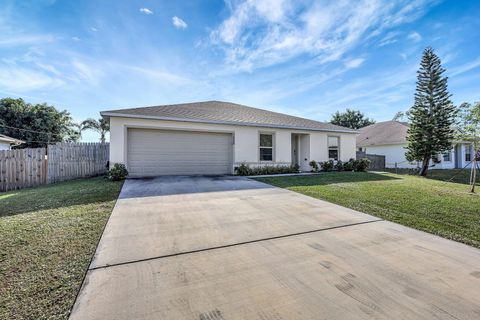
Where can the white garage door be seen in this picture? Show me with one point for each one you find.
(167, 152)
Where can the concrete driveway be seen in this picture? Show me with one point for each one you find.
(213, 248)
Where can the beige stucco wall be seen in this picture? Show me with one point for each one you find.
(246, 140)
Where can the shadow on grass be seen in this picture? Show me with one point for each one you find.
(446, 175)
(325, 179)
(58, 195)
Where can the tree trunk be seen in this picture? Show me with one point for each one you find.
(423, 171)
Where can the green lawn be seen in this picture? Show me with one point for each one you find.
(47, 238)
(443, 208)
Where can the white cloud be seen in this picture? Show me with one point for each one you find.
(75, 38)
(464, 68)
(259, 33)
(146, 11)
(24, 79)
(93, 29)
(179, 23)
(414, 36)
(24, 39)
(354, 63)
(157, 75)
(85, 72)
(389, 38)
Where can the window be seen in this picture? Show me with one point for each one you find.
(333, 148)
(446, 156)
(266, 147)
(468, 153)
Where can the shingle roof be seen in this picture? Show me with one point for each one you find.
(225, 113)
(383, 133)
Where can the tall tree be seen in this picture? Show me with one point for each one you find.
(100, 125)
(432, 115)
(37, 124)
(401, 116)
(351, 119)
(468, 129)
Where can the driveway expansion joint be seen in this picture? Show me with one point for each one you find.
(234, 244)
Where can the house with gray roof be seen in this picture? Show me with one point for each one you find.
(6, 142)
(389, 138)
(213, 137)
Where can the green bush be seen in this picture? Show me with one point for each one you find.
(327, 165)
(339, 166)
(361, 165)
(349, 165)
(117, 172)
(314, 165)
(245, 170)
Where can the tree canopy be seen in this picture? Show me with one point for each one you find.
(432, 115)
(351, 119)
(101, 126)
(468, 129)
(37, 124)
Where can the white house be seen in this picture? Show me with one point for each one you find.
(7, 142)
(389, 138)
(214, 137)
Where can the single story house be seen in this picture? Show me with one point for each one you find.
(214, 137)
(6, 142)
(389, 138)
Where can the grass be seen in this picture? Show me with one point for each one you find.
(47, 238)
(448, 175)
(442, 208)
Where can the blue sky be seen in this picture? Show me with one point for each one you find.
(301, 57)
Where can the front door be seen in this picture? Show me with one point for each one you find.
(294, 149)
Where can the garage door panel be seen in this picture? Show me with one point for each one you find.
(165, 152)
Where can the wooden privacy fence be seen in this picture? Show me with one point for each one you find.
(68, 161)
(377, 161)
(24, 168)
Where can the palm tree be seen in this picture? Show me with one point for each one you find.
(100, 125)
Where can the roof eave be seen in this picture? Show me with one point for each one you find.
(13, 141)
(106, 115)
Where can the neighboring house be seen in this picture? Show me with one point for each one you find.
(6, 142)
(389, 138)
(214, 137)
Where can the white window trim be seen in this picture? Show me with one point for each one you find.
(450, 156)
(272, 147)
(338, 147)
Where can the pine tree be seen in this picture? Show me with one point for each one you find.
(432, 115)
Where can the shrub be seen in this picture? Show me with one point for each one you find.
(246, 170)
(361, 165)
(242, 170)
(339, 166)
(349, 165)
(118, 172)
(327, 165)
(314, 165)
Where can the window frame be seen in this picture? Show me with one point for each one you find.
(449, 153)
(469, 149)
(337, 147)
(260, 133)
